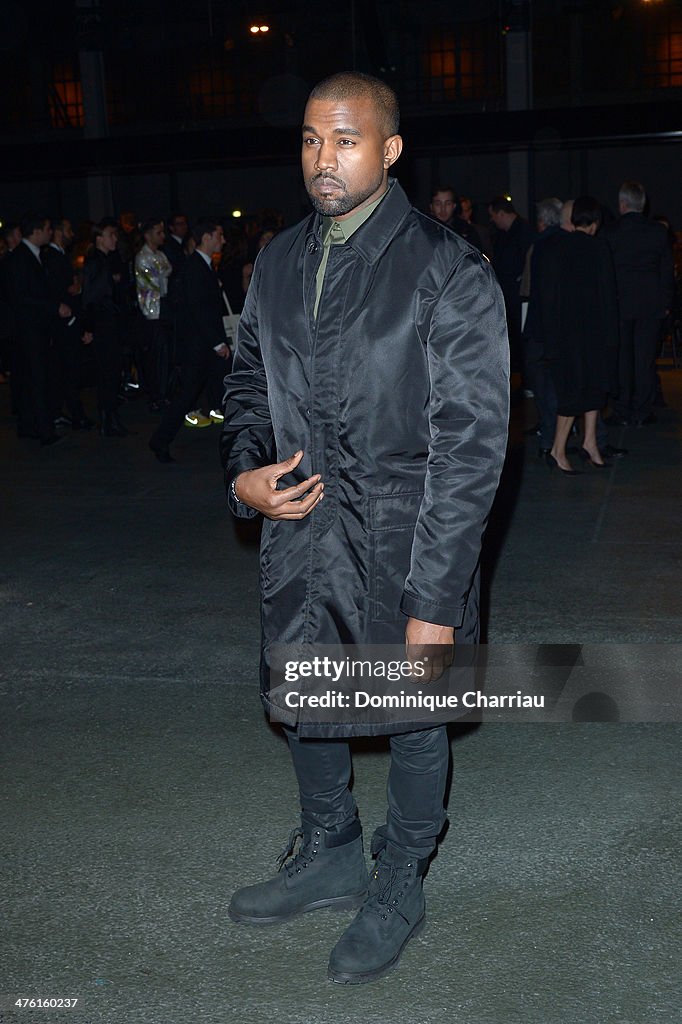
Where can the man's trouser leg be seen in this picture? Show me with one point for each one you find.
(622, 402)
(323, 770)
(328, 869)
(192, 377)
(416, 790)
(394, 910)
(647, 341)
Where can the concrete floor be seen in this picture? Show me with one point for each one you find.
(141, 784)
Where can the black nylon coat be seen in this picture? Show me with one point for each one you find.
(398, 395)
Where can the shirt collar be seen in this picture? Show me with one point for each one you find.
(205, 258)
(34, 249)
(343, 229)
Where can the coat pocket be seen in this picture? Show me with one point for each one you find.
(392, 518)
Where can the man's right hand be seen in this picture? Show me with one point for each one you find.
(257, 488)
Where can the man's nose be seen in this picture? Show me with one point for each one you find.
(326, 157)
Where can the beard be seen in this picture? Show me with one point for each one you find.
(346, 202)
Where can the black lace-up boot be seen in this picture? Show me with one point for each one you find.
(328, 870)
(392, 914)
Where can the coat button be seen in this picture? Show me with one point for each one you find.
(312, 247)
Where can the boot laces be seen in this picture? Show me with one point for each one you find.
(299, 859)
(387, 884)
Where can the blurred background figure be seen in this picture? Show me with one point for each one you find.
(513, 237)
(643, 259)
(466, 212)
(444, 207)
(67, 336)
(536, 370)
(264, 238)
(10, 236)
(35, 317)
(233, 261)
(152, 271)
(204, 354)
(102, 303)
(577, 315)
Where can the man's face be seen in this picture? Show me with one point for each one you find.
(41, 236)
(345, 157)
(179, 227)
(155, 237)
(443, 206)
(500, 219)
(67, 232)
(214, 242)
(109, 238)
(466, 211)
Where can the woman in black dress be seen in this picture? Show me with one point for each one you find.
(579, 310)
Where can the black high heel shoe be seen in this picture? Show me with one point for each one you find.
(553, 464)
(586, 457)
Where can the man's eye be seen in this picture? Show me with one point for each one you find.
(310, 141)
(346, 142)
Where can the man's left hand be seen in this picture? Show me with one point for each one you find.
(431, 644)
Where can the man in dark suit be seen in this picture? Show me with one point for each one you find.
(174, 247)
(203, 350)
(644, 273)
(512, 241)
(35, 315)
(67, 335)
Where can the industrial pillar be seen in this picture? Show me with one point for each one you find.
(519, 82)
(96, 125)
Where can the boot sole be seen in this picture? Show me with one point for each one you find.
(341, 978)
(336, 903)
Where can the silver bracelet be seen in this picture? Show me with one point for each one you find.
(233, 492)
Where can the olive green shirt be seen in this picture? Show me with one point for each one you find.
(337, 232)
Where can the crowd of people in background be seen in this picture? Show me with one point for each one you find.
(148, 307)
(590, 299)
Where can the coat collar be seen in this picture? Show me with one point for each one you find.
(374, 236)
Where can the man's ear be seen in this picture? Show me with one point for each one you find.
(393, 147)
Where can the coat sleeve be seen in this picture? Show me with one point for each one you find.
(468, 356)
(247, 440)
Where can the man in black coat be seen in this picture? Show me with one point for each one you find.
(643, 259)
(67, 335)
(174, 248)
(202, 347)
(372, 346)
(35, 315)
(444, 207)
(514, 236)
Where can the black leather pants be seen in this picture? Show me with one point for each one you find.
(416, 786)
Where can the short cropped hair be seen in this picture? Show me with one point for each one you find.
(204, 226)
(632, 195)
(500, 203)
(347, 85)
(586, 211)
(31, 222)
(97, 230)
(549, 211)
(150, 223)
(444, 188)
